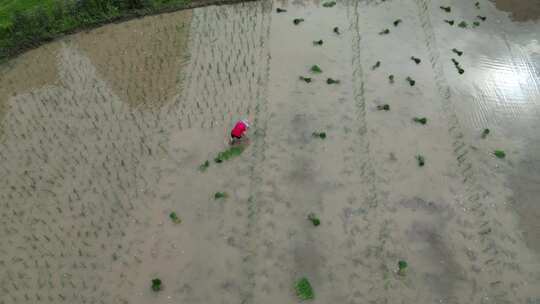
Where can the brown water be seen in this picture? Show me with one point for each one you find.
(103, 132)
(521, 10)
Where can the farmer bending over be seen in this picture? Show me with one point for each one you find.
(239, 130)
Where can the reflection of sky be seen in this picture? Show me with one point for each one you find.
(512, 79)
(508, 85)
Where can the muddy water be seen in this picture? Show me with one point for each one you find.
(520, 10)
(103, 133)
(142, 60)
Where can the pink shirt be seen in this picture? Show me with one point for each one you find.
(239, 129)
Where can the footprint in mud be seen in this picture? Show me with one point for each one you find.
(440, 270)
(426, 235)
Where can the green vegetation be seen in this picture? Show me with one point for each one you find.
(297, 21)
(156, 285)
(476, 24)
(451, 22)
(397, 22)
(280, 10)
(321, 135)
(391, 78)
(219, 195)
(376, 65)
(304, 291)
(447, 9)
(411, 81)
(499, 153)
(384, 32)
(174, 218)
(229, 153)
(28, 23)
(458, 52)
(481, 18)
(314, 220)
(204, 166)
(485, 133)
(336, 30)
(402, 267)
(420, 120)
(318, 42)
(477, 4)
(316, 69)
(384, 107)
(329, 4)
(462, 24)
(306, 79)
(421, 160)
(332, 81)
(8, 8)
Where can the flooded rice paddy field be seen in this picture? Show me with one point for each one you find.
(102, 135)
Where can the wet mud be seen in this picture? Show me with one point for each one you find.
(103, 134)
(520, 10)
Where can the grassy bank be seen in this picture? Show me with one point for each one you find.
(9, 7)
(25, 24)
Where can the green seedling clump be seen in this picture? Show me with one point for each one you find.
(376, 65)
(219, 195)
(458, 52)
(329, 4)
(477, 4)
(402, 267)
(447, 9)
(204, 166)
(384, 32)
(336, 30)
(456, 64)
(397, 22)
(462, 24)
(306, 79)
(420, 120)
(156, 285)
(421, 160)
(318, 42)
(391, 78)
(499, 153)
(229, 153)
(304, 291)
(316, 69)
(297, 21)
(280, 10)
(416, 60)
(174, 218)
(451, 22)
(476, 24)
(314, 220)
(384, 107)
(332, 81)
(411, 81)
(481, 18)
(321, 135)
(485, 133)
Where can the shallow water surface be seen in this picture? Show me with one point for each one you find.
(102, 135)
